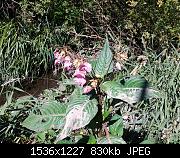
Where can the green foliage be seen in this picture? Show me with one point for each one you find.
(152, 21)
(33, 29)
(148, 142)
(51, 115)
(20, 54)
(79, 113)
(131, 91)
(116, 125)
(92, 140)
(104, 63)
(111, 140)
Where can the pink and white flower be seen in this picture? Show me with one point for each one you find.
(67, 63)
(85, 67)
(87, 89)
(67, 58)
(79, 73)
(59, 59)
(80, 81)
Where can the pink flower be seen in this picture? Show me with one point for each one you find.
(85, 67)
(79, 73)
(57, 62)
(59, 59)
(119, 66)
(80, 81)
(87, 89)
(67, 58)
(56, 53)
(67, 63)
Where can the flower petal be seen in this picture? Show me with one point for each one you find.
(80, 81)
(87, 89)
(79, 73)
(67, 65)
(85, 67)
(67, 58)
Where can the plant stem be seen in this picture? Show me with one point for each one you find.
(107, 132)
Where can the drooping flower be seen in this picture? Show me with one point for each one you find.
(67, 58)
(56, 53)
(119, 66)
(85, 67)
(80, 81)
(59, 58)
(87, 89)
(67, 63)
(79, 73)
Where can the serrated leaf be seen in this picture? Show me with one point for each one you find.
(51, 116)
(116, 128)
(104, 63)
(112, 140)
(131, 91)
(80, 112)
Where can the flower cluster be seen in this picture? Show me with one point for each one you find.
(61, 59)
(80, 68)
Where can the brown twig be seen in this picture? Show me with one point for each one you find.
(86, 36)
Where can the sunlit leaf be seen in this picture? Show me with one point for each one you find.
(130, 90)
(51, 116)
(104, 63)
(111, 140)
(116, 128)
(79, 113)
(148, 141)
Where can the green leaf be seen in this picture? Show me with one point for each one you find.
(23, 101)
(92, 140)
(116, 128)
(116, 117)
(41, 136)
(131, 91)
(111, 140)
(93, 64)
(79, 113)
(148, 141)
(65, 142)
(104, 63)
(51, 116)
(8, 102)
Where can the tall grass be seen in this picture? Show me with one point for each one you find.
(163, 115)
(23, 54)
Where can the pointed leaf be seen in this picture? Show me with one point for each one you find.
(51, 116)
(116, 128)
(104, 63)
(131, 91)
(80, 112)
